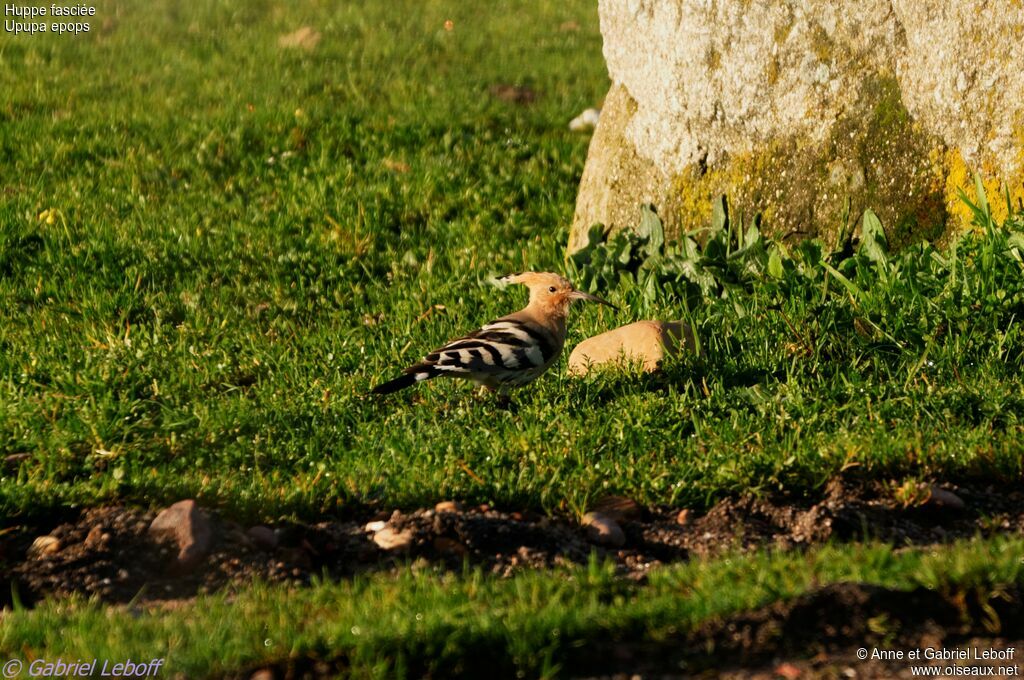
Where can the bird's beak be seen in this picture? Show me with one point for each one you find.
(580, 295)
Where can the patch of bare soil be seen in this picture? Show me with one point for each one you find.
(824, 634)
(109, 552)
(851, 511)
(514, 94)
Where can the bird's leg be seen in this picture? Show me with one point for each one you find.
(502, 400)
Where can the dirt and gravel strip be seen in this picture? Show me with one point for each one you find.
(114, 554)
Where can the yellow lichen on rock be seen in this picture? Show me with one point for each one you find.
(743, 177)
(959, 177)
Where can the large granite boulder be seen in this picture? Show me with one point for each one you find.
(795, 107)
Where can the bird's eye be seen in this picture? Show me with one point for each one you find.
(551, 289)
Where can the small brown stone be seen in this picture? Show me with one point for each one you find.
(603, 530)
(263, 674)
(683, 518)
(263, 537)
(619, 508)
(393, 541)
(96, 538)
(44, 546)
(646, 342)
(788, 671)
(186, 525)
(448, 506)
(943, 498)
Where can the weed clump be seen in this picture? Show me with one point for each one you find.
(857, 304)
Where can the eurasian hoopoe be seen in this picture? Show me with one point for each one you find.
(510, 351)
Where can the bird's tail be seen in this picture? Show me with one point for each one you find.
(407, 379)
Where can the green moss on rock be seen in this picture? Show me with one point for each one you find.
(874, 157)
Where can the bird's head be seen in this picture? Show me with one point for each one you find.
(552, 292)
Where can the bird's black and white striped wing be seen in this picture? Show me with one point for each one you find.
(501, 347)
(504, 352)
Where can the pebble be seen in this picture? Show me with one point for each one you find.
(587, 120)
(187, 526)
(448, 506)
(375, 526)
(263, 537)
(393, 541)
(619, 508)
(683, 518)
(788, 671)
(603, 530)
(942, 498)
(44, 546)
(96, 538)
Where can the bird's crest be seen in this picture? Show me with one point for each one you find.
(531, 279)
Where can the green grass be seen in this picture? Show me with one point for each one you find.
(531, 625)
(234, 253)
(211, 247)
(242, 285)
